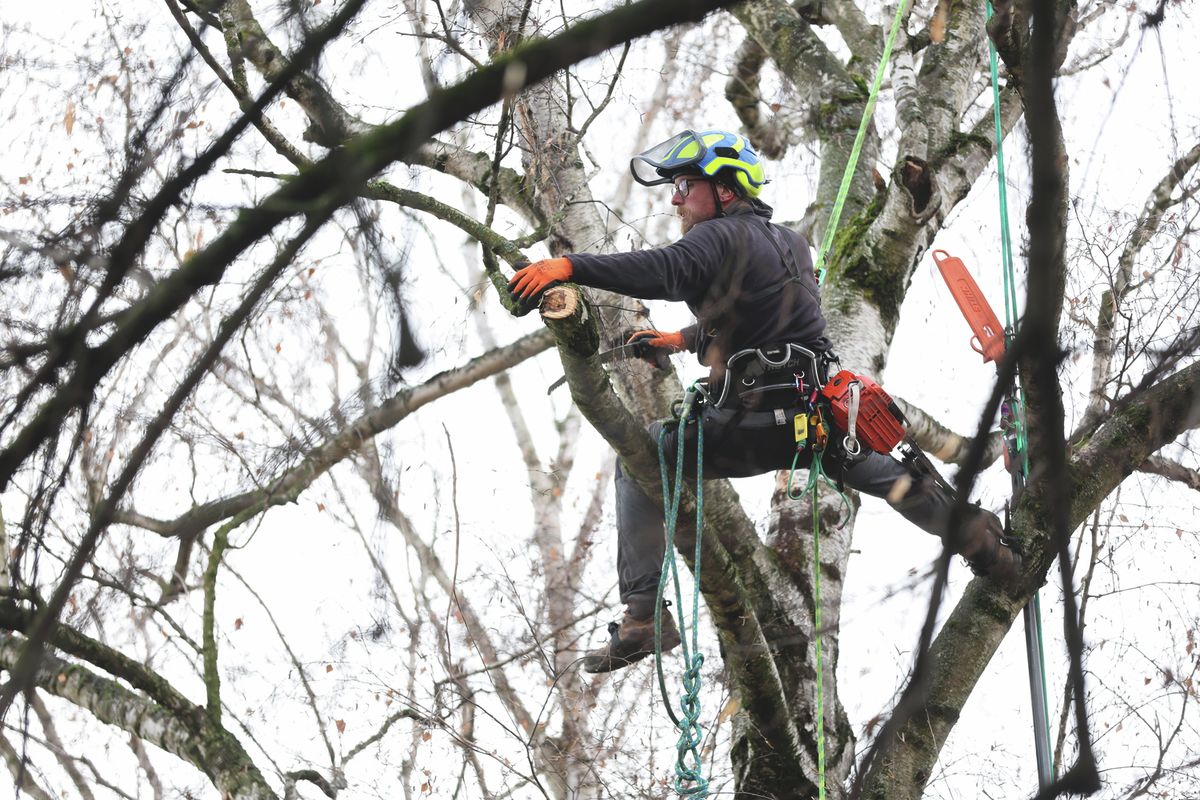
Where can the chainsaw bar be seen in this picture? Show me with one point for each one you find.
(916, 456)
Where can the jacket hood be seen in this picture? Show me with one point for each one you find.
(749, 205)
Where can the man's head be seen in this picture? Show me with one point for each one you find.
(724, 161)
(697, 198)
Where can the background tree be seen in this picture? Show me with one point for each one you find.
(196, 398)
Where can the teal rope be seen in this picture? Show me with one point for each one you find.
(835, 216)
(1006, 257)
(689, 778)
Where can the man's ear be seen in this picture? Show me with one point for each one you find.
(725, 194)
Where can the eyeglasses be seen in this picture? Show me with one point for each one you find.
(683, 186)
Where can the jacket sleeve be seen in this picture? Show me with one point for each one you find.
(682, 271)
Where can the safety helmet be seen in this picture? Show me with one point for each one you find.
(707, 152)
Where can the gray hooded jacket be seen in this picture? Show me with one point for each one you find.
(749, 282)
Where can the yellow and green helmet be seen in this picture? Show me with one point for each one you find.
(707, 152)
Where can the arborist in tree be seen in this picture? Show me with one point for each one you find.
(760, 330)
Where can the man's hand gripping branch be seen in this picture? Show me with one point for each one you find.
(531, 281)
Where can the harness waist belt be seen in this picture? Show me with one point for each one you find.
(774, 377)
(753, 419)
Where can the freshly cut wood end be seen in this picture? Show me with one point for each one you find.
(559, 302)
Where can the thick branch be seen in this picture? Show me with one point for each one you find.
(942, 443)
(1126, 440)
(774, 135)
(946, 81)
(331, 125)
(823, 82)
(112, 661)
(214, 752)
(799, 53)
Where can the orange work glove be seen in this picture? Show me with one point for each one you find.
(672, 342)
(656, 345)
(533, 279)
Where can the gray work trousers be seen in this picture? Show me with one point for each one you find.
(738, 449)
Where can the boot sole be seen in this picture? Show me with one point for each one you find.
(602, 663)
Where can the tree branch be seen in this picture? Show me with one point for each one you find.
(331, 125)
(942, 443)
(1173, 470)
(316, 462)
(1160, 200)
(337, 179)
(213, 751)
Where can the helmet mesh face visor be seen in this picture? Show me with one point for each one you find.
(662, 162)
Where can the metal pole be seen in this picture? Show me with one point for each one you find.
(1037, 691)
(1034, 652)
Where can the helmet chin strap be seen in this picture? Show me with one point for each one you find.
(716, 198)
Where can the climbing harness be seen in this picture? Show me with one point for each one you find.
(767, 377)
(848, 174)
(689, 779)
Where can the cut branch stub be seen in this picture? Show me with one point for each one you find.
(560, 302)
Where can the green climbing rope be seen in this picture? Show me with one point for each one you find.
(816, 474)
(856, 150)
(689, 777)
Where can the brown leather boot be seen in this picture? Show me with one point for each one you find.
(987, 550)
(632, 639)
